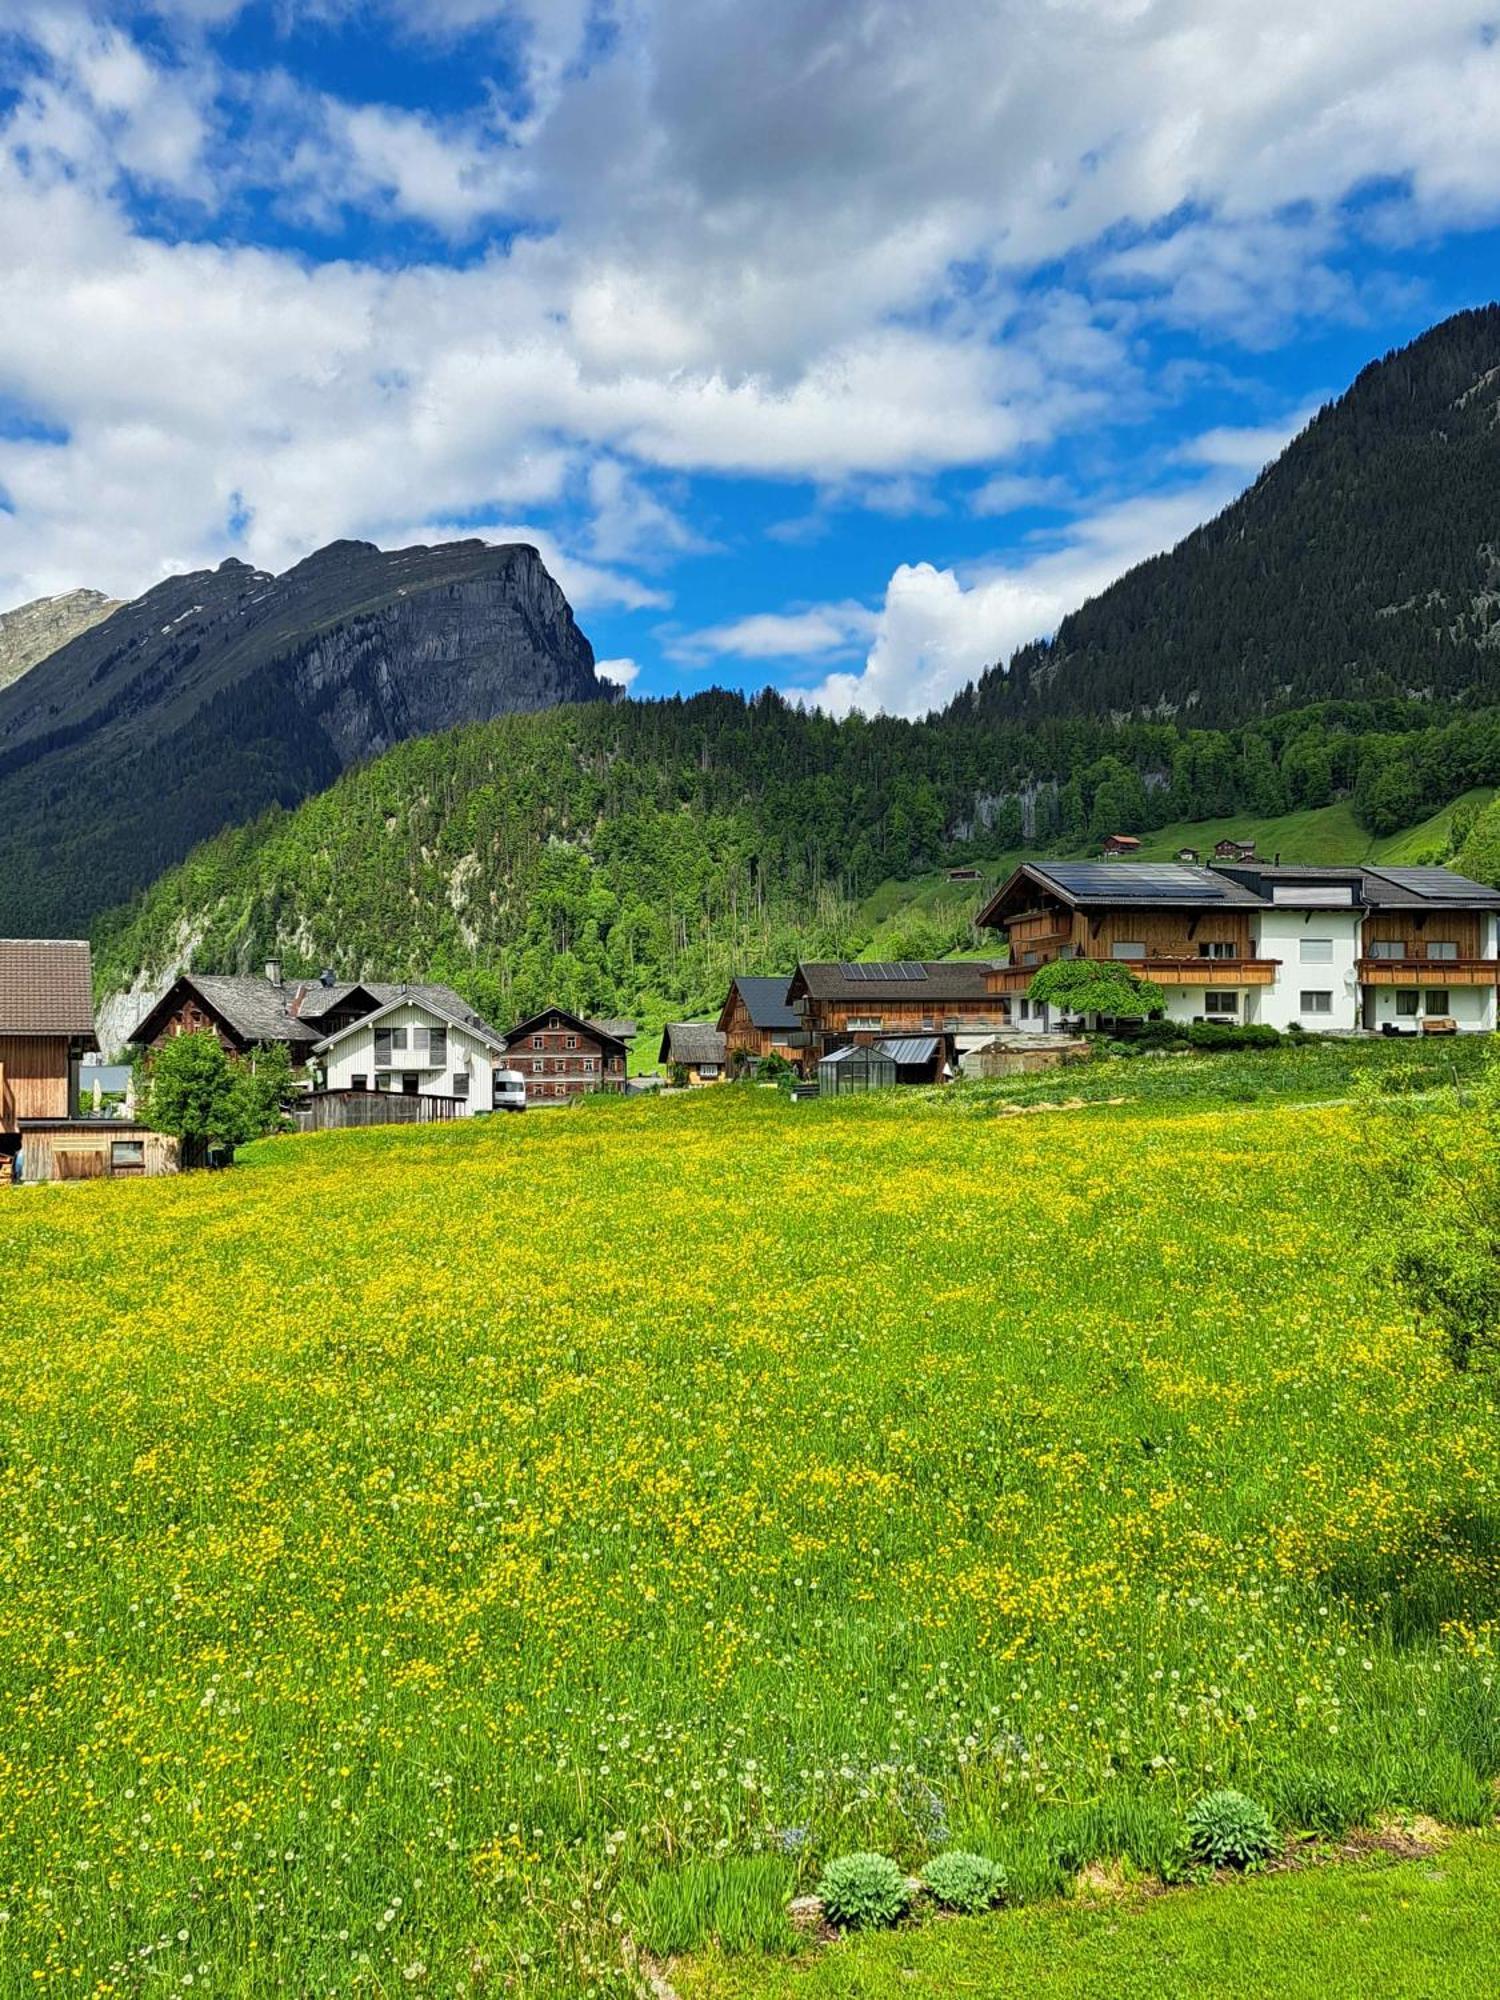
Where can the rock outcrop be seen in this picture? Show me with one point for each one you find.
(223, 692)
(33, 631)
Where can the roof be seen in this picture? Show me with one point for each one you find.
(691, 1042)
(1419, 888)
(466, 1021)
(765, 1001)
(910, 1050)
(618, 1031)
(938, 983)
(312, 1001)
(877, 1053)
(591, 1028)
(46, 987)
(250, 1006)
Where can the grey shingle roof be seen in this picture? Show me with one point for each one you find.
(765, 1002)
(692, 1043)
(46, 987)
(255, 1009)
(618, 1030)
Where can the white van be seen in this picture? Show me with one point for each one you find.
(510, 1090)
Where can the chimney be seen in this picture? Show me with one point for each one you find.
(273, 971)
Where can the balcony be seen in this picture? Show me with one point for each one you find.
(1437, 972)
(1160, 971)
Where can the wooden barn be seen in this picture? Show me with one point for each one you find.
(757, 1020)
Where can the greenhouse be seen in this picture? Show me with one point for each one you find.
(855, 1069)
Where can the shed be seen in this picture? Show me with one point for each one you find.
(94, 1149)
(697, 1047)
(918, 1058)
(856, 1068)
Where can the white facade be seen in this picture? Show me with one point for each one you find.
(411, 1047)
(1317, 978)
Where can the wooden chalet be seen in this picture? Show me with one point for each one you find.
(560, 1057)
(697, 1048)
(839, 1004)
(1121, 844)
(1234, 850)
(46, 1028)
(757, 1020)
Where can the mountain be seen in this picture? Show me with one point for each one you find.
(1364, 562)
(219, 693)
(32, 631)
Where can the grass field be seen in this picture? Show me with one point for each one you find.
(1421, 1930)
(428, 1556)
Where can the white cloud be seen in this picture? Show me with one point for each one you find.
(1245, 449)
(938, 629)
(778, 635)
(622, 672)
(776, 240)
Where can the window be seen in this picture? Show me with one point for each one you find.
(572, 1042)
(127, 1156)
(460, 1083)
(866, 1022)
(1030, 957)
(1442, 948)
(1387, 948)
(1435, 1000)
(432, 1043)
(1217, 948)
(1221, 1003)
(382, 1083)
(1315, 951)
(708, 1069)
(1127, 948)
(536, 1041)
(1316, 1002)
(1408, 1003)
(359, 1083)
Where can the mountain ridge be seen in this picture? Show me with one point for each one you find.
(32, 632)
(220, 692)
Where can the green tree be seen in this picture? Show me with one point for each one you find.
(1095, 986)
(204, 1097)
(1479, 857)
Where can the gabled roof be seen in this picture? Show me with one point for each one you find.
(924, 984)
(909, 1050)
(1083, 885)
(1426, 888)
(313, 1002)
(692, 1043)
(592, 1029)
(765, 1002)
(250, 1007)
(858, 1054)
(467, 1023)
(46, 987)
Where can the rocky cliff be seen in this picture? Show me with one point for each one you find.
(32, 631)
(226, 691)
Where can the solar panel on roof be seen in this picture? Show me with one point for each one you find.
(1438, 884)
(908, 969)
(1139, 881)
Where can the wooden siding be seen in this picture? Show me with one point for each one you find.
(191, 1017)
(902, 1017)
(740, 1032)
(1431, 972)
(554, 1072)
(1417, 930)
(36, 1074)
(85, 1150)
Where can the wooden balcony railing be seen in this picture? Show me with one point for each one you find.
(1436, 972)
(1161, 971)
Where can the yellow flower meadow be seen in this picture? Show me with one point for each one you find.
(414, 1543)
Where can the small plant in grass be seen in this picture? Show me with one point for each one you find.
(964, 1882)
(1227, 1830)
(858, 1890)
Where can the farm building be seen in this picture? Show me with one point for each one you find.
(1120, 844)
(841, 1003)
(92, 1149)
(696, 1048)
(855, 1067)
(756, 1020)
(561, 1057)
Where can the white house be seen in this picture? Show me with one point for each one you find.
(416, 1047)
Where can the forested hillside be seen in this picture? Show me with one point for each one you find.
(625, 858)
(1364, 562)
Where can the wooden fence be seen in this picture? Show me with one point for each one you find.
(337, 1110)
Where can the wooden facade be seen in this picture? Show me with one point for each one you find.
(1173, 947)
(742, 1036)
(91, 1149)
(1437, 948)
(38, 1078)
(189, 1016)
(560, 1057)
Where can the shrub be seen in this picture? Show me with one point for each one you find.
(1223, 1035)
(964, 1882)
(1227, 1830)
(863, 1889)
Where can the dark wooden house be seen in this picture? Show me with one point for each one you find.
(758, 1020)
(561, 1057)
(844, 1003)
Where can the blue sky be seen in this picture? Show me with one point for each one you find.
(841, 347)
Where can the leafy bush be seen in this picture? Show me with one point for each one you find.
(1227, 1830)
(863, 1889)
(964, 1882)
(1223, 1035)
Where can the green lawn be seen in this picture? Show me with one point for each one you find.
(1414, 1930)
